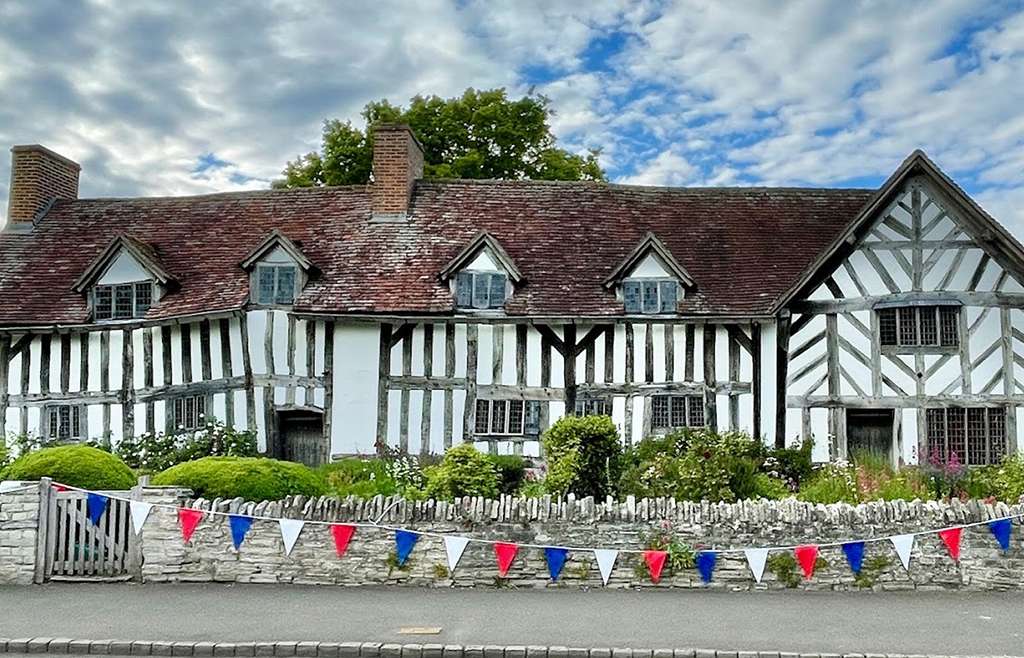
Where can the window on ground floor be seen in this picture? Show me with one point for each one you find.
(674, 411)
(190, 412)
(64, 421)
(507, 417)
(976, 435)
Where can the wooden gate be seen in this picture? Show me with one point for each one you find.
(76, 548)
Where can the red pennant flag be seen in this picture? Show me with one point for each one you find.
(342, 536)
(59, 488)
(951, 538)
(806, 556)
(189, 519)
(655, 563)
(506, 553)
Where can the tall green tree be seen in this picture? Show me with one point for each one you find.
(481, 134)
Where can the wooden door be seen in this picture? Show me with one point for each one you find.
(869, 431)
(302, 437)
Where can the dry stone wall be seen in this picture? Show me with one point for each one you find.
(586, 524)
(19, 522)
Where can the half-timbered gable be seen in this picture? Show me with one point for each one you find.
(421, 314)
(917, 311)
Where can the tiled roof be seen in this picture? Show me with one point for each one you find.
(743, 246)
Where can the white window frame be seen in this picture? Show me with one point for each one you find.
(137, 311)
(473, 276)
(523, 428)
(658, 282)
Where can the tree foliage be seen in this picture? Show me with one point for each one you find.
(481, 134)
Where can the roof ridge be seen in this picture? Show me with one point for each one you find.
(626, 186)
(214, 195)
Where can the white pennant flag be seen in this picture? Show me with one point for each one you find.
(454, 546)
(904, 544)
(756, 559)
(290, 529)
(140, 512)
(605, 562)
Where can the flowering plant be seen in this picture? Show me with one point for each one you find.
(158, 451)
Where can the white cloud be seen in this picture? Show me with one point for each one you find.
(686, 92)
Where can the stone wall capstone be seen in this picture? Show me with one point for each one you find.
(582, 523)
(19, 523)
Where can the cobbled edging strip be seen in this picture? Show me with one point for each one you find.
(49, 645)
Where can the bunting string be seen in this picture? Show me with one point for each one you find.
(555, 555)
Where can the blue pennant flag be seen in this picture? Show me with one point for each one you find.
(239, 526)
(854, 551)
(556, 560)
(96, 505)
(1001, 529)
(404, 542)
(706, 564)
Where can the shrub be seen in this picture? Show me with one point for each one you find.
(584, 456)
(1009, 479)
(793, 465)
(364, 478)
(834, 482)
(765, 486)
(245, 477)
(695, 464)
(464, 471)
(511, 472)
(157, 452)
(75, 465)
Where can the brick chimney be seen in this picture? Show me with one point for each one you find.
(397, 163)
(38, 176)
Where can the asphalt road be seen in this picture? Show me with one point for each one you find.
(809, 622)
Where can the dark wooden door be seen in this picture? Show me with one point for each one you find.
(869, 431)
(302, 437)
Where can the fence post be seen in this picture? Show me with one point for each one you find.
(135, 538)
(43, 530)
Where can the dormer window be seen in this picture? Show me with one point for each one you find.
(650, 296)
(125, 280)
(649, 280)
(122, 301)
(278, 271)
(481, 289)
(482, 276)
(275, 284)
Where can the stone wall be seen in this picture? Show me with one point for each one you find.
(586, 524)
(19, 522)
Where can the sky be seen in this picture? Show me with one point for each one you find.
(190, 97)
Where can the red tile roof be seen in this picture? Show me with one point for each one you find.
(743, 246)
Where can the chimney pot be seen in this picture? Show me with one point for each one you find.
(397, 164)
(38, 177)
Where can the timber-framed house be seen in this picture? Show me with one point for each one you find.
(425, 313)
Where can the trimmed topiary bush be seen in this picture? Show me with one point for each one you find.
(250, 478)
(76, 465)
(464, 471)
(584, 456)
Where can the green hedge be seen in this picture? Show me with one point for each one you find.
(463, 472)
(250, 478)
(76, 465)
